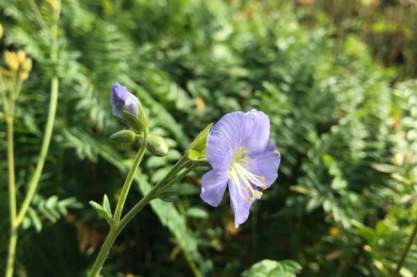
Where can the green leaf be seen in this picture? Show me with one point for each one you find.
(271, 268)
(195, 212)
(35, 219)
(102, 212)
(155, 162)
(106, 205)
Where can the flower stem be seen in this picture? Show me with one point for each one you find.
(12, 192)
(112, 236)
(129, 179)
(34, 181)
(120, 224)
(11, 254)
(104, 251)
(114, 230)
(406, 250)
(53, 103)
(16, 217)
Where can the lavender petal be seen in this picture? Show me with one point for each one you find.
(213, 187)
(258, 134)
(266, 164)
(224, 138)
(239, 202)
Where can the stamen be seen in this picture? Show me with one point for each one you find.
(243, 178)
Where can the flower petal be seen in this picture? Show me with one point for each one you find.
(123, 101)
(224, 138)
(213, 186)
(258, 131)
(265, 163)
(240, 203)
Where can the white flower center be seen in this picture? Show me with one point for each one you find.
(246, 181)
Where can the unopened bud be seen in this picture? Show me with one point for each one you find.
(157, 145)
(27, 65)
(197, 150)
(127, 106)
(23, 75)
(11, 60)
(1, 31)
(21, 56)
(125, 136)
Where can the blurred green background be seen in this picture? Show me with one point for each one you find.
(336, 78)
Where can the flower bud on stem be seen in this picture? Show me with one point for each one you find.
(181, 169)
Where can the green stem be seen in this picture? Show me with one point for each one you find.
(129, 179)
(118, 226)
(16, 218)
(168, 180)
(34, 181)
(104, 251)
(406, 250)
(139, 206)
(190, 261)
(12, 192)
(53, 103)
(113, 234)
(164, 187)
(11, 252)
(11, 166)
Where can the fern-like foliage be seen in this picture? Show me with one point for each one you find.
(344, 129)
(50, 209)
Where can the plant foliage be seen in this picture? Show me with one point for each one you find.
(344, 202)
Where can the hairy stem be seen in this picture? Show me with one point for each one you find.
(104, 251)
(119, 225)
(129, 179)
(406, 250)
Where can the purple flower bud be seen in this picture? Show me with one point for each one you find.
(243, 159)
(123, 101)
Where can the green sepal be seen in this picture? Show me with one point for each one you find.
(132, 121)
(157, 145)
(143, 118)
(198, 149)
(103, 210)
(137, 123)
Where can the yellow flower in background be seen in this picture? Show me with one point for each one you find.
(1, 31)
(27, 65)
(21, 56)
(334, 231)
(18, 62)
(199, 103)
(11, 60)
(23, 76)
(55, 4)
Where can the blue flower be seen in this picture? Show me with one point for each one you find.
(123, 101)
(242, 158)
